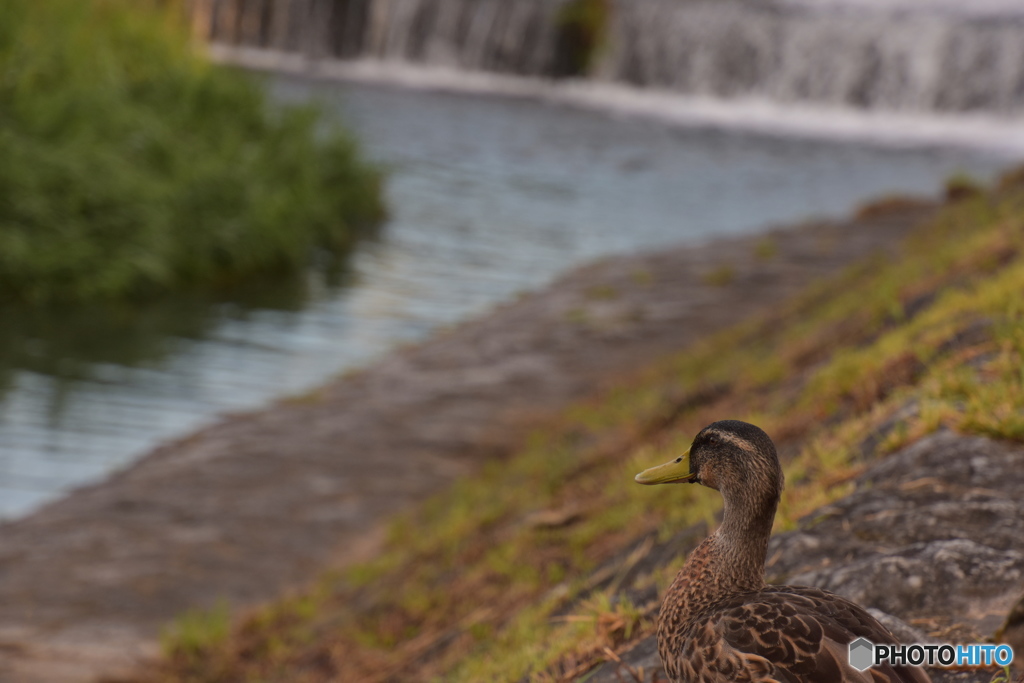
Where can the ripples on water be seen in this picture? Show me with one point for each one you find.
(489, 197)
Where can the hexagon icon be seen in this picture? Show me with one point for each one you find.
(862, 654)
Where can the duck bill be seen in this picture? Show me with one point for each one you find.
(675, 472)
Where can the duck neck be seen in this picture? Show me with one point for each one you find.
(741, 541)
(729, 561)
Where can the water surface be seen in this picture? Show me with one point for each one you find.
(489, 197)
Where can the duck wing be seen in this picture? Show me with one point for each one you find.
(787, 634)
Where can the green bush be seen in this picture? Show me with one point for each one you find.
(582, 30)
(129, 166)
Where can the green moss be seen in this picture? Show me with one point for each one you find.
(602, 293)
(721, 276)
(766, 249)
(198, 632)
(129, 166)
(582, 30)
(962, 186)
(642, 276)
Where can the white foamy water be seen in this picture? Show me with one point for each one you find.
(920, 56)
(963, 8)
(1000, 135)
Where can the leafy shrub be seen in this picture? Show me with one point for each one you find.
(130, 166)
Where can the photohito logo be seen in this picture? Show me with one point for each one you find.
(864, 654)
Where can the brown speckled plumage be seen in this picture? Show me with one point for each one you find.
(720, 622)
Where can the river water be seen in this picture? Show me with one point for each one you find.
(489, 197)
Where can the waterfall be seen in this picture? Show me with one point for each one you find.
(912, 56)
(503, 36)
(893, 59)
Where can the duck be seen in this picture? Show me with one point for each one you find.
(719, 621)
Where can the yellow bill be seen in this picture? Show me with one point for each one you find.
(677, 471)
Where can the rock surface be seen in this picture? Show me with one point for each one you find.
(261, 502)
(933, 535)
(936, 529)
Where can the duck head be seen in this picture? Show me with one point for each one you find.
(729, 456)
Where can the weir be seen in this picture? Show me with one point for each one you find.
(913, 56)
(517, 37)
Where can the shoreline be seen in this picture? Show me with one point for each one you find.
(262, 502)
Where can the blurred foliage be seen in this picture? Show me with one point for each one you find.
(198, 629)
(129, 166)
(582, 29)
(962, 186)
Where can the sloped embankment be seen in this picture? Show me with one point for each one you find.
(896, 395)
(265, 501)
